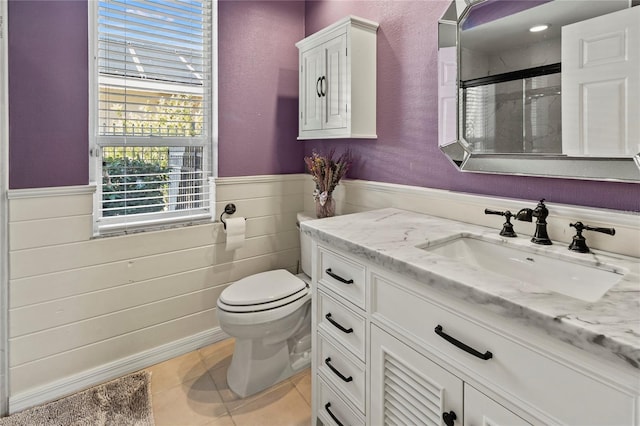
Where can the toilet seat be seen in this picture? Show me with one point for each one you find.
(263, 292)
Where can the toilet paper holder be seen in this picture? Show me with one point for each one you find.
(228, 209)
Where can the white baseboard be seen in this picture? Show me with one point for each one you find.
(113, 370)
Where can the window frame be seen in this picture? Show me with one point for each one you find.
(123, 224)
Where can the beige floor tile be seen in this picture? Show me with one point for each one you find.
(168, 374)
(192, 390)
(192, 403)
(231, 400)
(217, 352)
(283, 406)
(302, 382)
(223, 421)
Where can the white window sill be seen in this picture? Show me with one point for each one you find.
(137, 226)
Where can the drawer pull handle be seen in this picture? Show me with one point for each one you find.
(339, 374)
(333, 416)
(487, 355)
(338, 326)
(338, 277)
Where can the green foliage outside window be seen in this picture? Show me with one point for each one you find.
(133, 186)
(135, 178)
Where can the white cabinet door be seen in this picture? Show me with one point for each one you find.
(480, 410)
(334, 87)
(407, 388)
(311, 100)
(601, 85)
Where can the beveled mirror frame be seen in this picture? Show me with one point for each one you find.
(557, 166)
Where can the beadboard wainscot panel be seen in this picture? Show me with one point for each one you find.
(82, 307)
(31, 376)
(55, 340)
(35, 317)
(354, 196)
(49, 232)
(49, 203)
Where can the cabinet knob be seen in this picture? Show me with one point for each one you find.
(449, 418)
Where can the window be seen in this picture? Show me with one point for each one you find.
(152, 116)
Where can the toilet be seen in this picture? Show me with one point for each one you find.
(269, 315)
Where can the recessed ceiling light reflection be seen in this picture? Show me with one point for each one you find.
(538, 28)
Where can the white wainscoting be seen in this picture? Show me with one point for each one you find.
(84, 310)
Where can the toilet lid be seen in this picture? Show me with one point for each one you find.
(261, 288)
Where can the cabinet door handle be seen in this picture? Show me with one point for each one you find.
(337, 277)
(338, 326)
(322, 81)
(318, 87)
(449, 418)
(485, 356)
(339, 374)
(333, 416)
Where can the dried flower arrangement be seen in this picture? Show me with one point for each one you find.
(327, 172)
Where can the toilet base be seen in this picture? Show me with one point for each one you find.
(256, 366)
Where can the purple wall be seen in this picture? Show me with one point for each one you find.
(258, 100)
(48, 90)
(406, 151)
(258, 79)
(48, 97)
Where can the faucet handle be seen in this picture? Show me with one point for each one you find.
(507, 227)
(499, 213)
(579, 243)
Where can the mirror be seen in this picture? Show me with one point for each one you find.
(514, 101)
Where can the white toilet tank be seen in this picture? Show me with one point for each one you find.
(305, 245)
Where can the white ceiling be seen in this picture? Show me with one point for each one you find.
(513, 31)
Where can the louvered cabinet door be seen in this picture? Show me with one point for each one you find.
(409, 389)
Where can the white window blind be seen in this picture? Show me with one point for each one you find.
(153, 130)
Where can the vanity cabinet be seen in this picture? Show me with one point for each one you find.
(339, 339)
(389, 349)
(408, 388)
(337, 84)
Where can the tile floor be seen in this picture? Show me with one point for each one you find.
(192, 390)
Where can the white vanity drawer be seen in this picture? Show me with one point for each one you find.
(343, 372)
(534, 376)
(342, 276)
(332, 409)
(342, 324)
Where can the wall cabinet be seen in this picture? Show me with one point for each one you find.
(391, 350)
(337, 90)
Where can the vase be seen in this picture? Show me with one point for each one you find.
(326, 210)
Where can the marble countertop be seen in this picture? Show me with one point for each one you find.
(393, 239)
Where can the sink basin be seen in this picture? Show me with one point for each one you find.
(584, 282)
